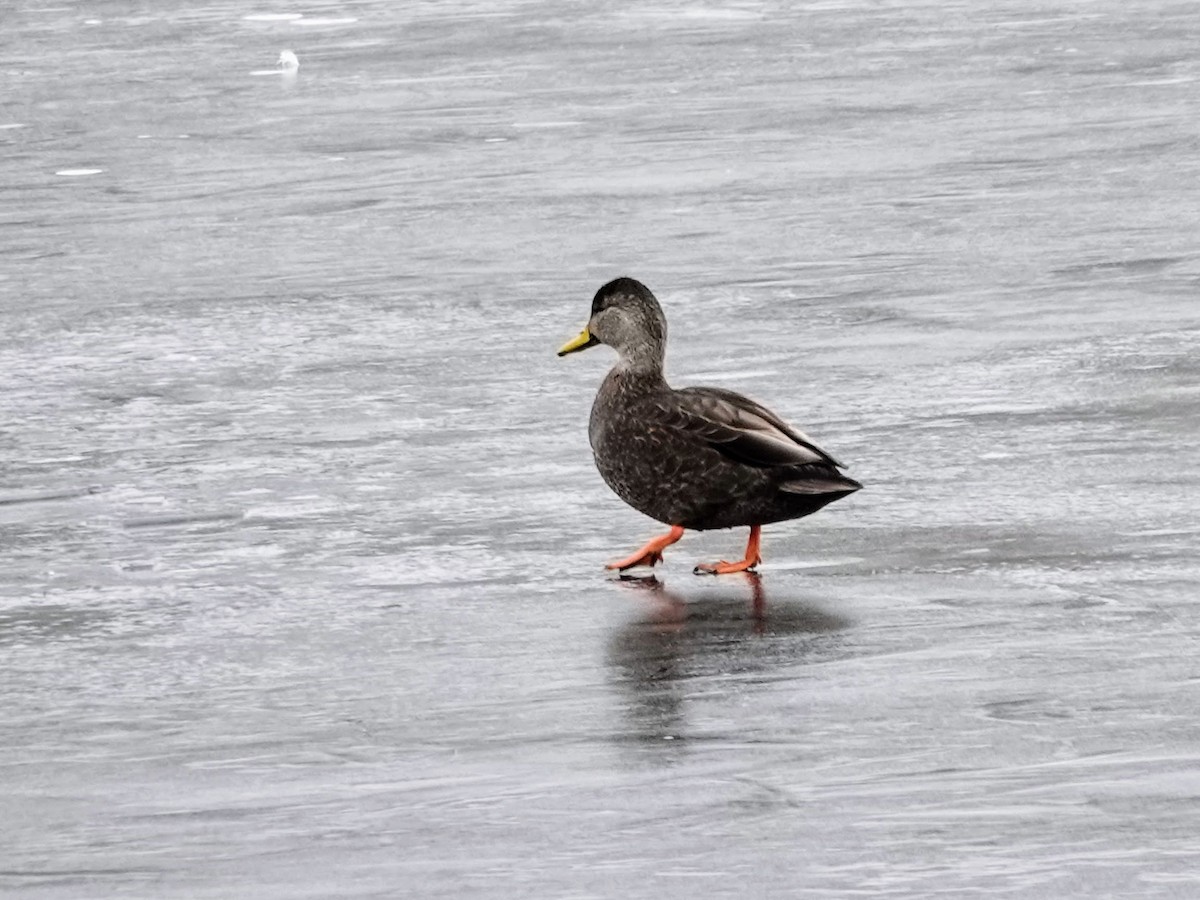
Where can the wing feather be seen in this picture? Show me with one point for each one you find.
(742, 429)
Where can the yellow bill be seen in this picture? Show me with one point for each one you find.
(581, 341)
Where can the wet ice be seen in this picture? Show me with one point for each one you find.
(302, 591)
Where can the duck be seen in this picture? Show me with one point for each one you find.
(692, 458)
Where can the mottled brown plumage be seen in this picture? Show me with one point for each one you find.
(697, 457)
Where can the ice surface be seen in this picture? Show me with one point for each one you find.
(302, 591)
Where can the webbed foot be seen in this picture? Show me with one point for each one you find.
(651, 553)
(746, 564)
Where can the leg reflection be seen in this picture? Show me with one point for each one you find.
(758, 602)
(669, 608)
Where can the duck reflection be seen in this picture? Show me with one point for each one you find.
(681, 647)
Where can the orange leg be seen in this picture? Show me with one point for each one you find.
(751, 560)
(651, 553)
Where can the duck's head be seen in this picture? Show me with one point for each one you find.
(626, 317)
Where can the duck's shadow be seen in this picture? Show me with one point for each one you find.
(731, 639)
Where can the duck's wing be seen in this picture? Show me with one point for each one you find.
(741, 429)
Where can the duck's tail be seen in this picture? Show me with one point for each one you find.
(819, 479)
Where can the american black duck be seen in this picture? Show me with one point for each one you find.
(697, 457)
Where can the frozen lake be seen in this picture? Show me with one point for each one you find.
(302, 592)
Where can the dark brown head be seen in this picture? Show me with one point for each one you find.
(626, 317)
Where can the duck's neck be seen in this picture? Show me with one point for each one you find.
(641, 362)
(628, 378)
